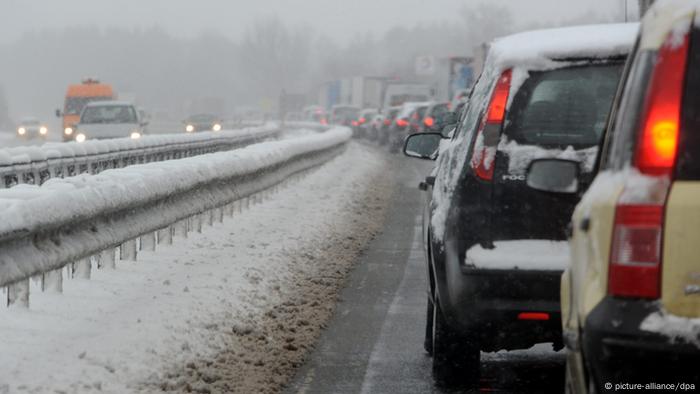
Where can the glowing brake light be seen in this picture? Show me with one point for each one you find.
(541, 316)
(484, 155)
(429, 121)
(362, 120)
(402, 123)
(355, 123)
(658, 141)
(387, 122)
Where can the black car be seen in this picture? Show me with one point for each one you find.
(437, 116)
(495, 242)
(202, 122)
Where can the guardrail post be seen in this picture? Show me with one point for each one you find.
(180, 229)
(128, 250)
(228, 209)
(220, 214)
(106, 259)
(52, 281)
(82, 268)
(165, 236)
(210, 215)
(18, 294)
(148, 242)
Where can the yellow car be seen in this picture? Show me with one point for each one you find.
(631, 297)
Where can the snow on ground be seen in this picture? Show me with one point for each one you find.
(209, 300)
(521, 254)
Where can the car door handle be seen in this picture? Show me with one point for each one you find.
(585, 225)
(425, 185)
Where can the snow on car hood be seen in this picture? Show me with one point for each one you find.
(539, 255)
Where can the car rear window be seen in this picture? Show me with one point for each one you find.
(440, 110)
(563, 107)
(689, 145)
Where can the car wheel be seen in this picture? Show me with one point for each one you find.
(428, 342)
(456, 357)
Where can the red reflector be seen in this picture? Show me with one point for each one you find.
(656, 149)
(533, 316)
(635, 256)
(429, 121)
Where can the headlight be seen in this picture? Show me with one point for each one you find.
(189, 128)
(217, 127)
(21, 131)
(43, 130)
(135, 135)
(80, 137)
(68, 131)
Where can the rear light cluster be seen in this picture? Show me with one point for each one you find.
(429, 121)
(637, 248)
(402, 122)
(490, 129)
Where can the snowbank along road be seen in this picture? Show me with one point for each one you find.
(231, 309)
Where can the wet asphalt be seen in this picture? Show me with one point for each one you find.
(374, 342)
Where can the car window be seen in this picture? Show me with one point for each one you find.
(564, 107)
(108, 114)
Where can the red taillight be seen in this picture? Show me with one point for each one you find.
(355, 123)
(533, 316)
(490, 129)
(361, 121)
(658, 141)
(429, 121)
(324, 121)
(635, 257)
(402, 123)
(387, 122)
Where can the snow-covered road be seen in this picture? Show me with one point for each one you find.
(238, 296)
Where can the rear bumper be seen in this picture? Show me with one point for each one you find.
(489, 302)
(618, 351)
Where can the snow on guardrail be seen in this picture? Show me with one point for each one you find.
(36, 164)
(65, 222)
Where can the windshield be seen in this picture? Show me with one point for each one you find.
(75, 105)
(202, 118)
(564, 107)
(109, 114)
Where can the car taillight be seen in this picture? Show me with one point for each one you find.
(361, 121)
(490, 129)
(635, 258)
(324, 121)
(402, 123)
(636, 253)
(387, 122)
(656, 148)
(355, 123)
(429, 121)
(540, 316)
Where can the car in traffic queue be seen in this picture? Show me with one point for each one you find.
(30, 128)
(344, 115)
(315, 113)
(363, 122)
(631, 298)
(495, 242)
(437, 116)
(77, 97)
(202, 122)
(401, 124)
(416, 119)
(109, 119)
(389, 115)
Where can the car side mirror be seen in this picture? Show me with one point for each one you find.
(58, 113)
(554, 176)
(423, 145)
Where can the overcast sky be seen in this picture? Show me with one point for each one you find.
(339, 19)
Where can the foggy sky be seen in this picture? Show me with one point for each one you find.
(339, 19)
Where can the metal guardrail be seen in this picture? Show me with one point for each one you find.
(79, 222)
(35, 165)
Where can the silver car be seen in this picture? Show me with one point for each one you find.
(109, 119)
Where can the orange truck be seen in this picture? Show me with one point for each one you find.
(79, 95)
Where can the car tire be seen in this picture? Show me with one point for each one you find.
(428, 342)
(456, 356)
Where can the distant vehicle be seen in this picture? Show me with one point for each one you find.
(77, 97)
(387, 121)
(344, 114)
(32, 128)
(202, 122)
(400, 127)
(315, 113)
(399, 93)
(631, 296)
(293, 117)
(109, 119)
(495, 242)
(416, 119)
(437, 116)
(362, 125)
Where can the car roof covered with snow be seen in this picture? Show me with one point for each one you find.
(664, 17)
(540, 47)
